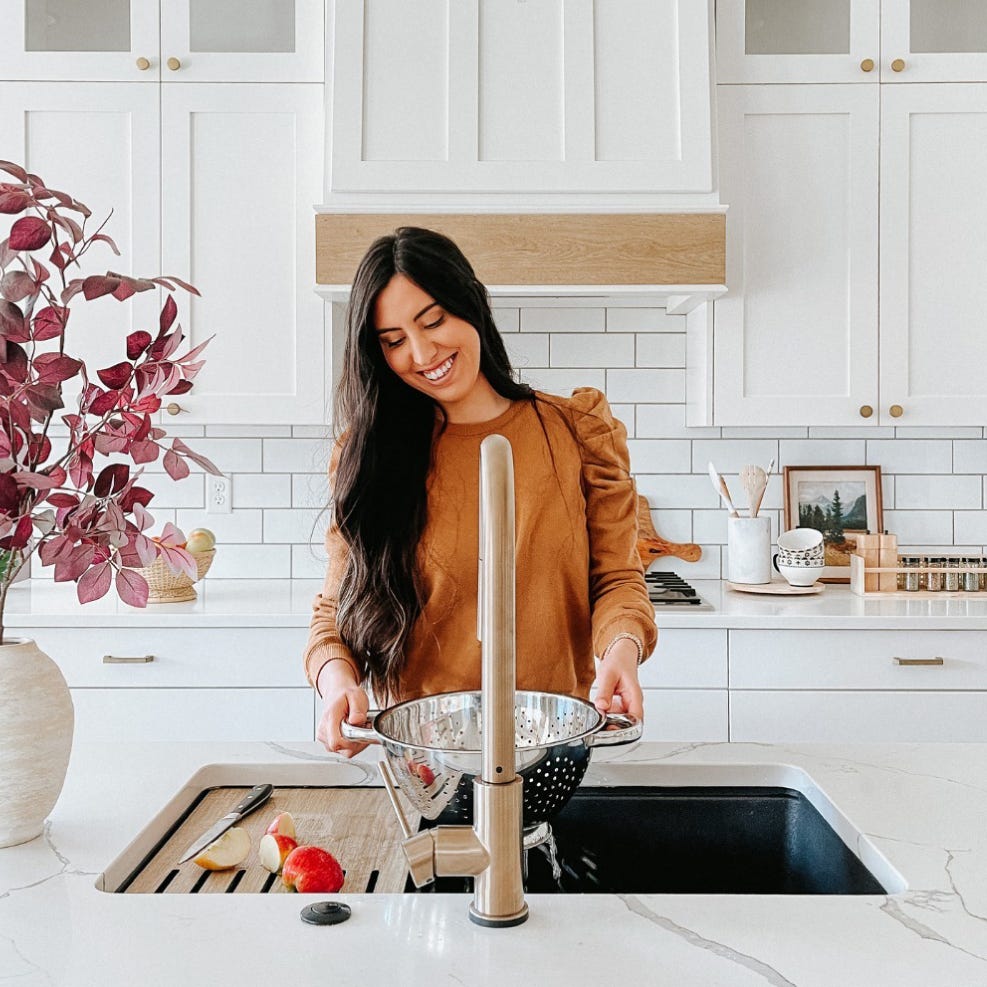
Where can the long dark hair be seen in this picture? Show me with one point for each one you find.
(385, 428)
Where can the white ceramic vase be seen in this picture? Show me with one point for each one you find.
(36, 721)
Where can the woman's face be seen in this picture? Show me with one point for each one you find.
(428, 348)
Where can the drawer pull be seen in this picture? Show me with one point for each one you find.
(127, 659)
(918, 661)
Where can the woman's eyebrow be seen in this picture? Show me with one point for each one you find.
(415, 319)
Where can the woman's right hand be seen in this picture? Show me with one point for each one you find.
(342, 699)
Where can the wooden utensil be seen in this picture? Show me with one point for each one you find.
(720, 486)
(754, 481)
(650, 545)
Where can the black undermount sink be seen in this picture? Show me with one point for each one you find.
(703, 840)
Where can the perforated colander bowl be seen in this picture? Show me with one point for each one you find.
(433, 746)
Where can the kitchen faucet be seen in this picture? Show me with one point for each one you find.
(491, 849)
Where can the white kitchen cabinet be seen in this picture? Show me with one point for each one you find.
(796, 333)
(896, 41)
(185, 40)
(241, 169)
(816, 686)
(933, 253)
(239, 683)
(474, 96)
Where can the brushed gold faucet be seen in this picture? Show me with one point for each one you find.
(490, 850)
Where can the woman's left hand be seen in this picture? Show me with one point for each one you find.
(617, 687)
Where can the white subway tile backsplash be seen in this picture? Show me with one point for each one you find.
(646, 385)
(591, 349)
(911, 455)
(563, 320)
(934, 480)
(929, 491)
(296, 455)
(659, 455)
(643, 320)
(658, 349)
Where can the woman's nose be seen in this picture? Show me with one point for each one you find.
(423, 350)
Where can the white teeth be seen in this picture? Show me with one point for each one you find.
(439, 372)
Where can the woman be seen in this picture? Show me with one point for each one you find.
(425, 379)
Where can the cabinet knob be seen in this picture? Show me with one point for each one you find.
(127, 659)
(866, 411)
(896, 411)
(143, 64)
(918, 661)
(898, 65)
(174, 408)
(174, 64)
(867, 65)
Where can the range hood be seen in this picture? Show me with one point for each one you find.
(675, 259)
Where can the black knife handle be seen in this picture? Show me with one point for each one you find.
(255, 798)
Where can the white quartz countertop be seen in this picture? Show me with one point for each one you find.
(288, 603)
(921, 807)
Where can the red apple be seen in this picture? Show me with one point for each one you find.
(274, 850)
(311, 870)
(283, 825)
(425, 774)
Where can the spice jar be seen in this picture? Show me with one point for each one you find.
(911, 579)
(933, 578)
(951, 576)
(971, 577)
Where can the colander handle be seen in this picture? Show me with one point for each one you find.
(365, 734)
(629, 729)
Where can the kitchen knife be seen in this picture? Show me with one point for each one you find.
(256, 797)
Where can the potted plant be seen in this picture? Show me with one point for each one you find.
(70, 490)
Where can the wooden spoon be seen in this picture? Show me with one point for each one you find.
(754, 480)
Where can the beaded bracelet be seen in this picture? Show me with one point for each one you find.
(628, 637)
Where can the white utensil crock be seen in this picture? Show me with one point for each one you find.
(749, 549)
(36, 721)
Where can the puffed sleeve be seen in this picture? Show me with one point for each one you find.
(618, 593)
(324, 640)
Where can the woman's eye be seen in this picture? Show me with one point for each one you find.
(391, 343)
(438, 322)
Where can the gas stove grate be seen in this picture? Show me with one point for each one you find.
(670, 589)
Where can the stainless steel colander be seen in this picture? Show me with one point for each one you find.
(433, 746)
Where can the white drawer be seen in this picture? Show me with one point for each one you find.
(193, 714)
(687, 659)
(689, 715)
(858, 717)
(816, 659)
(210, 657)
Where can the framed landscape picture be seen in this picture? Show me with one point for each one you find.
(841, 502)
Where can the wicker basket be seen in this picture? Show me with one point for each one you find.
(164, 586)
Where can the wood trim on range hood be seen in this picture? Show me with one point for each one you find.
(549, 253)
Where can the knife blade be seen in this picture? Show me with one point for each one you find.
(255, 798)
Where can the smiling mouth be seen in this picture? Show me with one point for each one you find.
(440, 372)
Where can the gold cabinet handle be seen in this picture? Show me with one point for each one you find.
(867, 65)
(919, 661)
(143, 64)
(898, 65)
(896, 411)
(866, 411)
(174, 408)
(174, 64)
(127, 659)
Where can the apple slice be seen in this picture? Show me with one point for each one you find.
(312, 870)
(232, 848)
(282, 825)
(273, 850)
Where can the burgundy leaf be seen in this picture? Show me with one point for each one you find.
(14, 169)
(21, 534)
(104, 402)
(168, 313)
(14, 365)
(16, 285)
(182, 387)
(98, 284)
(201, 460)
(54, 549)
(189, 288)
(132, 587)
(14, 201)
(144, 451)
(29, 233)
(54, 368)
(108, 444)
(12, 324)
(44, 398)
(109, 240)
(95, 583)
(125, 289)
(137, 343)
(73, 289)
(63, 500)
(148, 404)
(193, 353)
(41, 273)
(70, 569)
(135, 496)
(111, 479)
(10, 495)
(35, 481)
(116, 376)
(141, 518)
(49, 323)
(174, 466)
(6, 254)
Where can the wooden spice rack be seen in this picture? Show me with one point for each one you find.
(859, 570)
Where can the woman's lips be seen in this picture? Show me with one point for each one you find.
(438, 374)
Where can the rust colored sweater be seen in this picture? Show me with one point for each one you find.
(579, 578)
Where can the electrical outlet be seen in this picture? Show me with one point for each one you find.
(219, 499)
